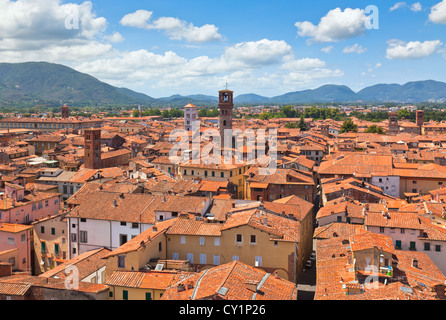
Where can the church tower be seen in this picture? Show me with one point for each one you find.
(225, 105)
(92, 140)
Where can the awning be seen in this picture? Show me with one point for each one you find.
(258, 185)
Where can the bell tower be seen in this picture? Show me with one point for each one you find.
(225, 105)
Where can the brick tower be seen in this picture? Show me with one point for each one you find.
(225, 105)
(394, 127)
(92, 140)
(65, 112)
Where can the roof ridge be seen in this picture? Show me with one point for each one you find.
(234, 263)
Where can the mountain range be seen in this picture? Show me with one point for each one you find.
(54, 84)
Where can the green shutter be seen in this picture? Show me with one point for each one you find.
(125, 295)
(148, 296)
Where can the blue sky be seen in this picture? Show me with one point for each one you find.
(269, 48)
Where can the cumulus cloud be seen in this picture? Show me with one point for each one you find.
(438, 13)
(356, 48)
(411, 50)
(336, 25)
(30, 23)
(175, 28)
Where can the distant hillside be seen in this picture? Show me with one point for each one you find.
(34, 83)
(43, 82)
(411, 92)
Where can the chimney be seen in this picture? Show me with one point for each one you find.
(414, 263)
(265, 221)
(115, 203)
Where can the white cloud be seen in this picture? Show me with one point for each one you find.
(356, 48)
(115, 37)
(327, 49)
(175, 28)
(398, 5)
(46, 30)
(336, 25)
(411, 50)
(138, 19)
(33, 24)
(438, 13)
(378, 65)
(416, 7)
(302, 64)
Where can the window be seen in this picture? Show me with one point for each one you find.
(381, 229)
(123, 223)
(83, 220)
(222, 174)
(135, 225)
(125, 295)
(398, 244)
(414, 182)
(235, 258)
(201, 241)
(46, 203)
(83, 237)
(238, 238)
(11, 241)
(216, 260)
(175, 256)
(121, 261)
(53, 231)
(190, 257)
(258, 261)
(403, 231)
(253, 239)
(437, 248)
(339, 219)
(216, 242)
(427, 246)
(42, 229)
(183, 240)
(42, 247)
(73, 237)
(412, 246)
(23, 238)
(56, 248)
(160, 246)
(202, 258)
(213, 173)
(148, 296)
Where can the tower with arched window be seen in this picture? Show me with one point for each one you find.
(225, 105)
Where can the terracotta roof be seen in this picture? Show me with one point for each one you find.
(232, 281)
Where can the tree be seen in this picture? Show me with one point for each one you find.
(348, 126)
(374, 129)
(302, 125)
